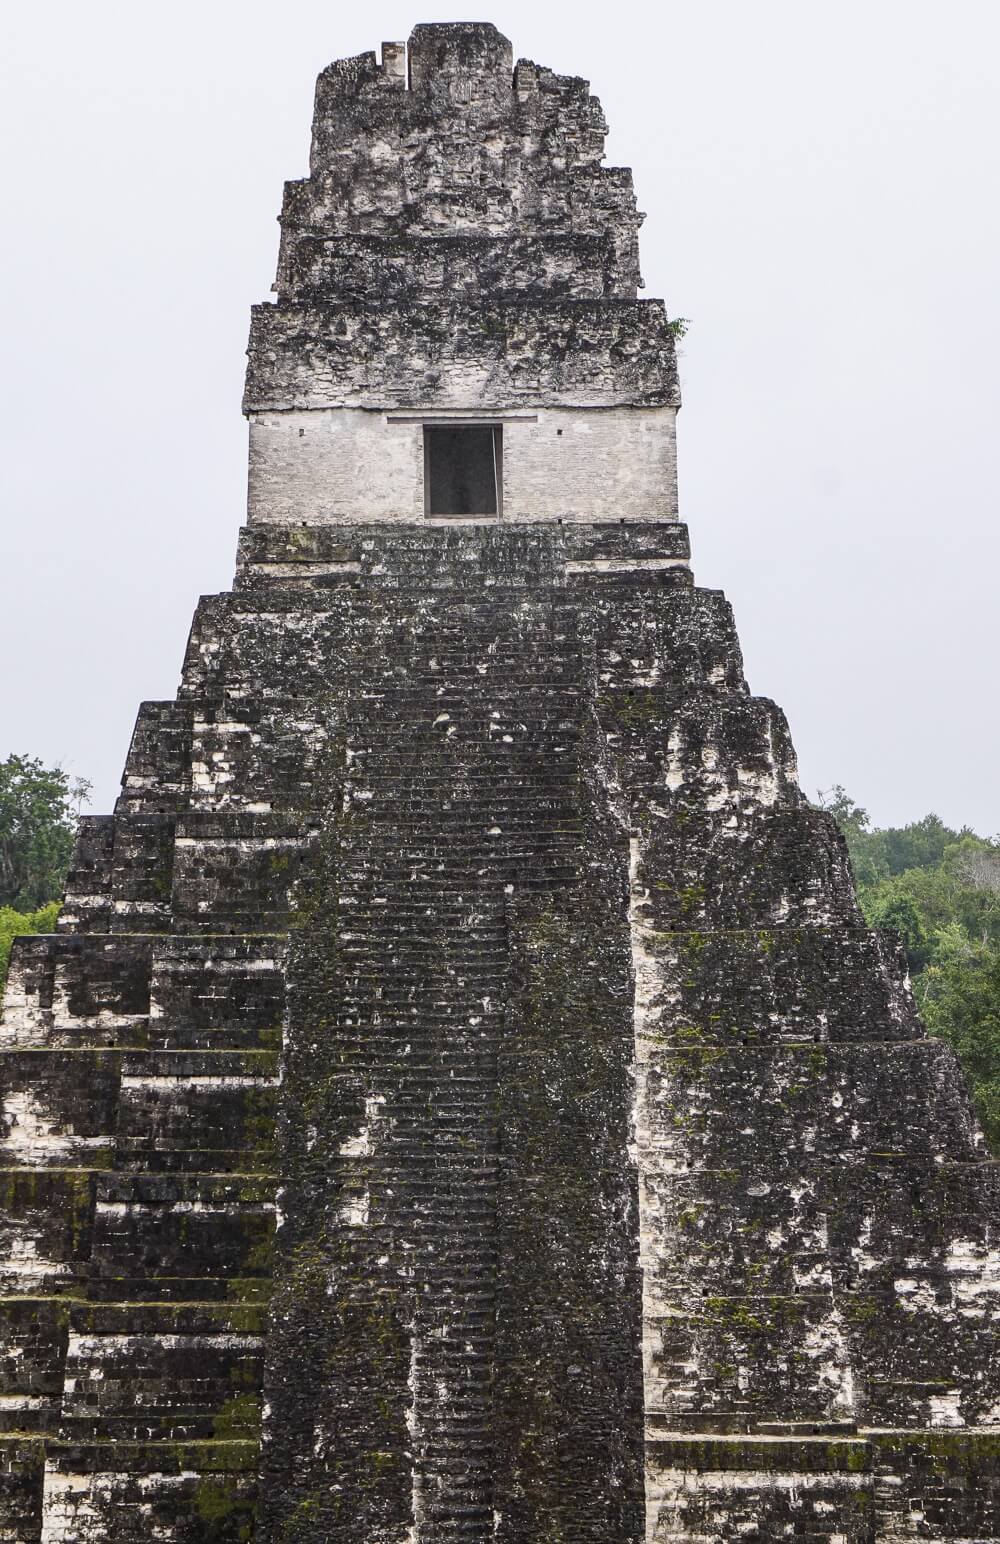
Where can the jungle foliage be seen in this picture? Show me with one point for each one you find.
(940, 889)
(38, 810)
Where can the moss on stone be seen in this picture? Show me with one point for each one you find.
(227, 1516)
(238, 1417)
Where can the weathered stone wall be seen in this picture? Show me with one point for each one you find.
(468, 173)
(525, 354)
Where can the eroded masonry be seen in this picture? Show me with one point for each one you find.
(463, 1101)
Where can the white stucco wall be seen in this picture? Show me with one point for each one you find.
(345, 465)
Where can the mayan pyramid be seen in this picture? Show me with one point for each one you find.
(462, 1101)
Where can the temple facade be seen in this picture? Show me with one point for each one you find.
(463, 1101)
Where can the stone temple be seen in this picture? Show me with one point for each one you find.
(463, 1101)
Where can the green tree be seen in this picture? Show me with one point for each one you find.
(38, 806)
(895, 909)
(959, 995)
(939, 889)
(919, 845)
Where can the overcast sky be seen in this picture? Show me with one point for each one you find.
(821, 183)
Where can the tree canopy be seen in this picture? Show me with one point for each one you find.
(940, 890)
(38, 808)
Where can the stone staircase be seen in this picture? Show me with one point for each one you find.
(457, 800)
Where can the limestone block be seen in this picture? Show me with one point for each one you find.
(59, 1108)
(181, 1227)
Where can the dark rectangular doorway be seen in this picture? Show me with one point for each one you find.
(462, 469)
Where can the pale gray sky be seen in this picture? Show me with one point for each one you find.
(822, 189)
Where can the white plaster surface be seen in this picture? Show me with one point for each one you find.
(35, 1138)
(342, 465)
(76, 1507)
